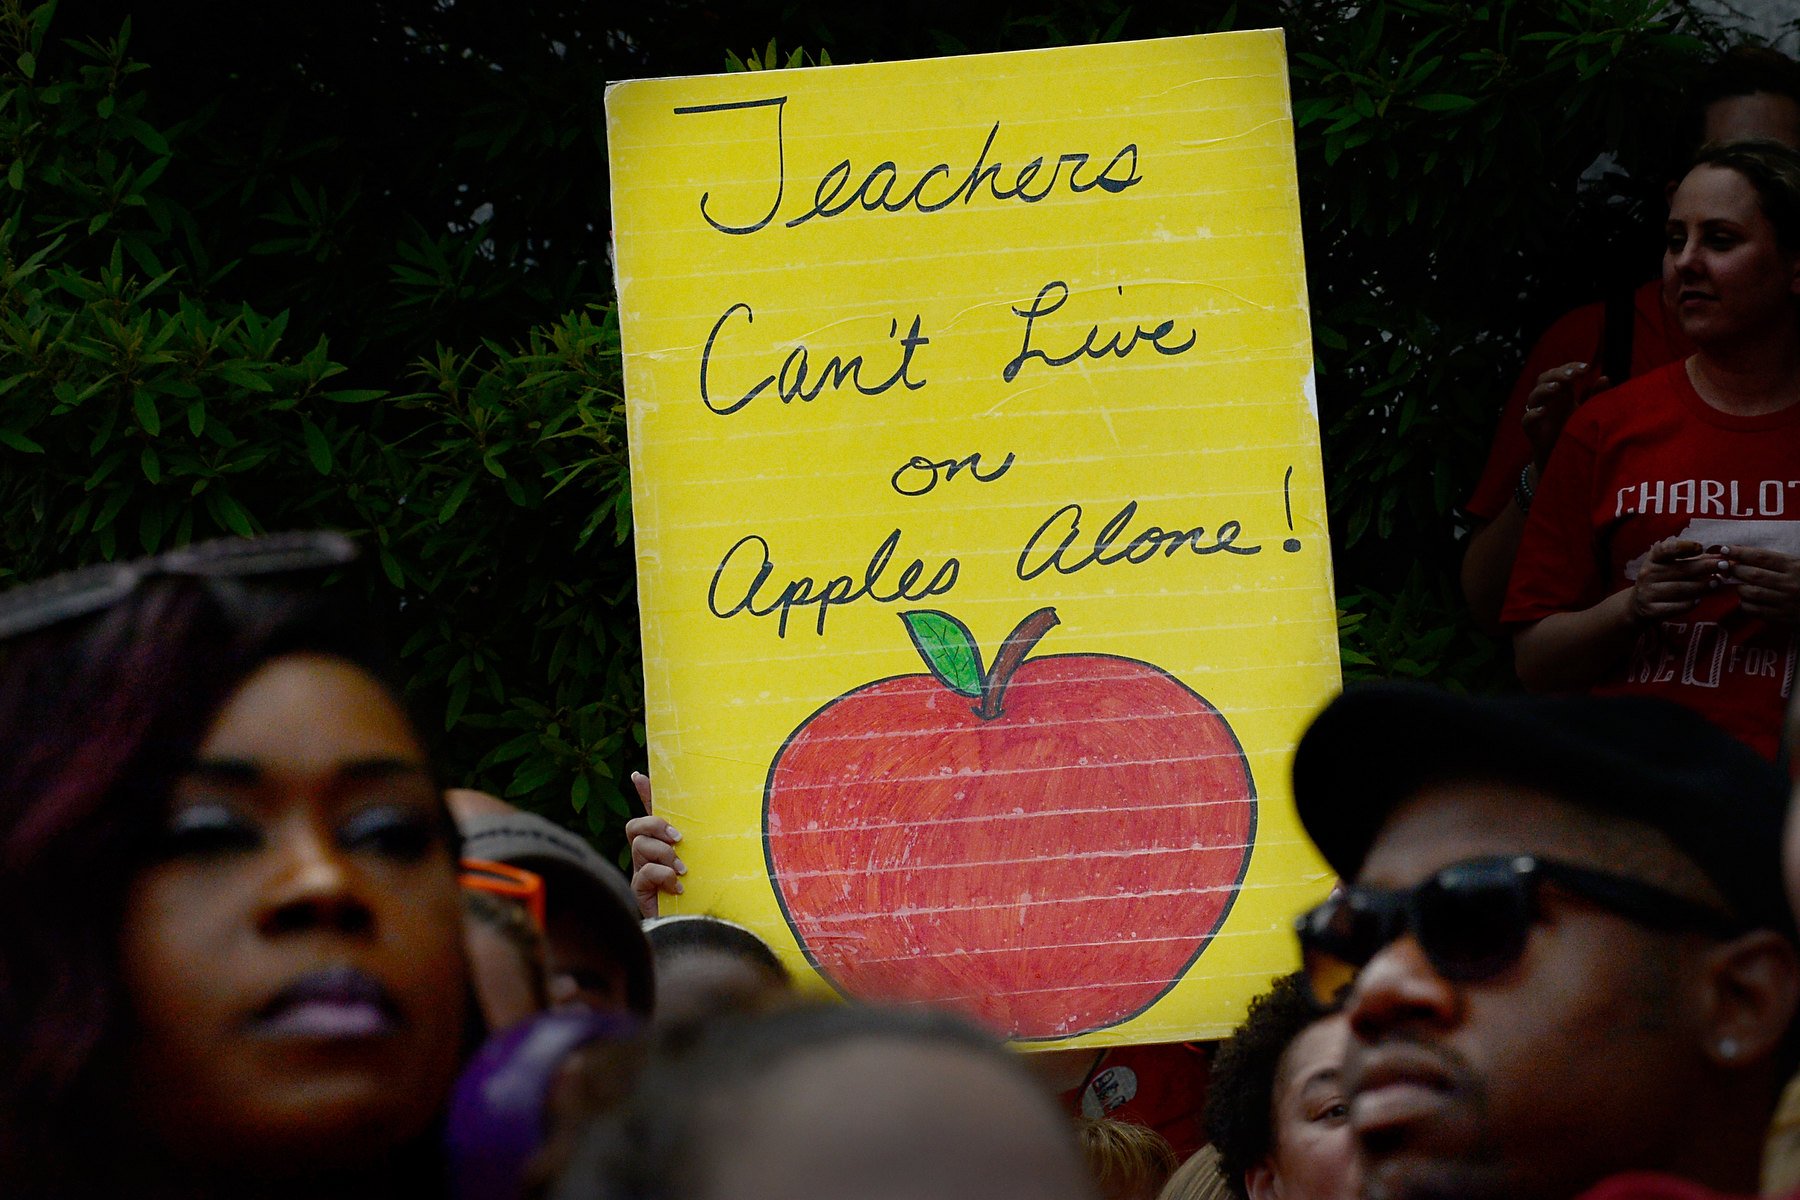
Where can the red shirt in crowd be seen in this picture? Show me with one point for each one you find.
(1162, 1087)
(1575, 337)
(1642, 1185)
(1650, 460)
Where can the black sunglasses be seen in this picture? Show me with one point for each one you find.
(88, 590)
(1472, 919)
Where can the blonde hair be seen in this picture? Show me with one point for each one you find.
(1774, 171)
(1198, 1179)
(1126, 1160)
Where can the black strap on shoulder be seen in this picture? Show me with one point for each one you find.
(1621, 326)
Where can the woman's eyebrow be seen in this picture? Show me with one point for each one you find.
(381, 767)
(243, 771)
(1324, 1075)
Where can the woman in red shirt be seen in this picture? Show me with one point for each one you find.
(1662, 553)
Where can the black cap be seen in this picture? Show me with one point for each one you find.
(1655, 762)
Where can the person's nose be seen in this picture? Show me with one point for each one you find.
(1686, 258)
(1400, 988)
(314, 886)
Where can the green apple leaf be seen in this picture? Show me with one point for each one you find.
(948, 648)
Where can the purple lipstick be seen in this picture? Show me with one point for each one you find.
(328, 1005)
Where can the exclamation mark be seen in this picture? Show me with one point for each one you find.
(1292, 545)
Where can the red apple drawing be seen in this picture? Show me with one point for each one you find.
(1046, 845)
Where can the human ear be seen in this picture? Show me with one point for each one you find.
(1753, 990)
(1260, 1182)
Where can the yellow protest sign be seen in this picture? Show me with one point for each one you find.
(982, 547)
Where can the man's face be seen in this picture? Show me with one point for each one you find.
(1566, 1066)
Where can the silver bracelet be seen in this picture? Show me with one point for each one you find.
(1523, 491)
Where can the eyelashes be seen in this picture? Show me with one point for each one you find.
(1676, 240)
(393, 832)
(206, 832)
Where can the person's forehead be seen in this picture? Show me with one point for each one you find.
(1455, 820)
(870, 1088)
(1757, 115)
(1714, 191)
(1316, 1052)
(312, 708)
(710, 967)
(878, 1116)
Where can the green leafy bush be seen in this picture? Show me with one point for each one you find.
(137, 411)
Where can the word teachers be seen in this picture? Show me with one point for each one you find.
(882, 188)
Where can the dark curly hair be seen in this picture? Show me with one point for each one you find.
(1240, 1096)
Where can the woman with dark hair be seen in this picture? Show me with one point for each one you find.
(1662, 552)
(233, 962)
(1749, 92)
(1277, 1111)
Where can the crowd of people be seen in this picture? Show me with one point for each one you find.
(258, 947)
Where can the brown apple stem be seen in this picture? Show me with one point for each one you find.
(1012, 654)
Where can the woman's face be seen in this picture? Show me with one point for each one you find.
(1724, 275)
(1315, 1155)
(294, 955)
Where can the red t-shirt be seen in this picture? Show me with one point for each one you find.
(1643, 1185)
(1159, 1086)
(1651, 460)
(1576, 336)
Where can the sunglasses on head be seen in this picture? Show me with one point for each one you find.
(522, 887)
(88, 590)
(1472, 919)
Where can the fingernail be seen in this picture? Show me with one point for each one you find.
(637, 775)
(674, 834)
(1724, 566)
(1715, 549)
(1578, 366)
(1712, 583)
(680, 867)
(679, 889)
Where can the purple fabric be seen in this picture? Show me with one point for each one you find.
(497, 1118)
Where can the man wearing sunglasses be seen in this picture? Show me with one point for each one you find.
(1564, 950)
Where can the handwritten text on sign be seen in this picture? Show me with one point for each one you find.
(984, 577)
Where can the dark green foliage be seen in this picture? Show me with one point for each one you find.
(346, 265)
(139, 409)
